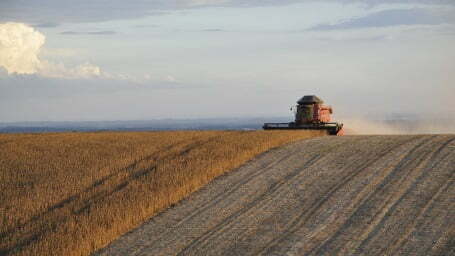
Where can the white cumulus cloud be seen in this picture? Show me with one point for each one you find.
(20, 46)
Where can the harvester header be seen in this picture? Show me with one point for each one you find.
(310, 114)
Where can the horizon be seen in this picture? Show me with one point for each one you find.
(352, 126)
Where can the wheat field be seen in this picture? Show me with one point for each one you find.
(73, 193)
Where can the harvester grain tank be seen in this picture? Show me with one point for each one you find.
(310, 114)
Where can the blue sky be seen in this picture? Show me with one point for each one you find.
(125, 60)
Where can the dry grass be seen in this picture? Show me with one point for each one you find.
(73, 193)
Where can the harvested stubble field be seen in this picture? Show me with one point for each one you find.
(73, 193)
(349, 195)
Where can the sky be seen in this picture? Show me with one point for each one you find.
(63, 60)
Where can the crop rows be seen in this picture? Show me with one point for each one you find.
(73, 193)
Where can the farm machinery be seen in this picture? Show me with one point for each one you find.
(310, 114)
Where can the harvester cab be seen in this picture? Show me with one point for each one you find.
(310, 114)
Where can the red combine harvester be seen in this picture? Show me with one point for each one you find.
(310, 114)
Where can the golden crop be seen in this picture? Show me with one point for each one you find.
(73, 193)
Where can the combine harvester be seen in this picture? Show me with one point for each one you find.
(310, 114)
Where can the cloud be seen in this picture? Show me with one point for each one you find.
(58, 70)
(23, 87)
(20, 51)
(213, 30)
(106, 32)
(205, 2)
(20, 46)
(171, 79)
(388, 18)
(67, 11)
(46, 25)
(58, 52)
(146, 26)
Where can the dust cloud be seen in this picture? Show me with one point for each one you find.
(398, 127)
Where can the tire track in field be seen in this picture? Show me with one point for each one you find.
(430, 167)
(362, 195)
(303, 218)
(257, 202)
(265, 197)
(395, 178)
(231, 190)
(427, 208)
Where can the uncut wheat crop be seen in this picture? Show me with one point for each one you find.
(73, 193)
